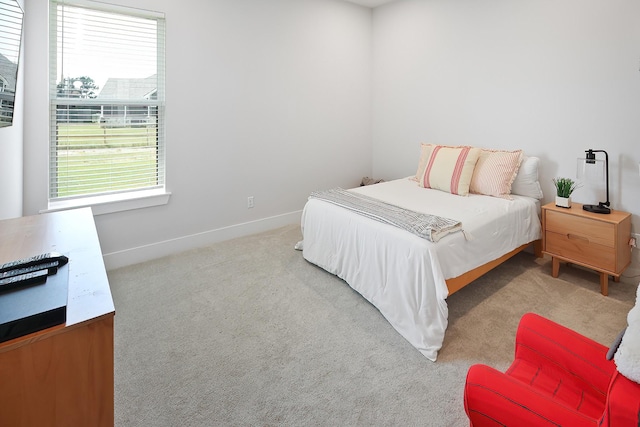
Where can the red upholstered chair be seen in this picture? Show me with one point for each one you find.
(558, 378)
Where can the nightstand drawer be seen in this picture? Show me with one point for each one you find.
(575, 227)
(580, 249)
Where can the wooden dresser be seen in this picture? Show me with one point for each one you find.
(61, 376)
(597, 241)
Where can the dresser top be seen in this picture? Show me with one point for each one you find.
(614, 217)
(74, 234)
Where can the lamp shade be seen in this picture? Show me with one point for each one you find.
(590, 169)
(590, 172)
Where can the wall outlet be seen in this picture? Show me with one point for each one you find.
(249, 202)
(634, 240)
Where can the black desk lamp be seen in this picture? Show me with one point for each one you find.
(601, 207)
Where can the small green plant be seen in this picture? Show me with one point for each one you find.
(564, 186)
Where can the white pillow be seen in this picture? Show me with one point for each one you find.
(627, 357)
(526, 182)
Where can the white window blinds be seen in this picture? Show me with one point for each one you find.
(107, 100)
(11, 24)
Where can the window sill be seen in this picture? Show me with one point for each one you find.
(114, 202)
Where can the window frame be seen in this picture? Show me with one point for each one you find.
(115, 201)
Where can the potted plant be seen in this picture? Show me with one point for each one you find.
(564, 188)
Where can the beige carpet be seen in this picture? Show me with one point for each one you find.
(247, 333)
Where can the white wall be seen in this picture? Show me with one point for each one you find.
(275, 99)
(11, 153)
(551, 77)
(265, 99)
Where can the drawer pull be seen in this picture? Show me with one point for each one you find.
(575, 236)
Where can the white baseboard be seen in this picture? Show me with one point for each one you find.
(139, 254)
(632, 273)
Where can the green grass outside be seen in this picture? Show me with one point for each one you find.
(92, 135)
(93, 160)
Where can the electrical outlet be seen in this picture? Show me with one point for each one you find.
(633, 241)
(249, 202)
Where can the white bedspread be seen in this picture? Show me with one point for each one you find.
(404, 275)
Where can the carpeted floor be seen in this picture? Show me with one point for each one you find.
(247, 333)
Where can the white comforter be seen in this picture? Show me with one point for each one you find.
(404, 275)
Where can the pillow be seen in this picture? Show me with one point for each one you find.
(425, 151)
(627, 357)
(495, 172)
(526, 182)
(450, 168)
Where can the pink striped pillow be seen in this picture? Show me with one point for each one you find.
(495, 172)
(450, 168)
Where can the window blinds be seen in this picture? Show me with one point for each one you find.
(10, 36)
(107, 99)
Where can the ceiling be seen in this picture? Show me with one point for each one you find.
(370, 3)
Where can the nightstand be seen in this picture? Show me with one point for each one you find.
(596, 241)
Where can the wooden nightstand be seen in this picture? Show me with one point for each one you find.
(596, 241)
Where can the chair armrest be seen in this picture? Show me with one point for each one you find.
(544, 342)
(492, 398)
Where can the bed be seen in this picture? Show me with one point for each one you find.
(407, 277)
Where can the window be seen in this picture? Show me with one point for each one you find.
(107, 101)
(10, 37)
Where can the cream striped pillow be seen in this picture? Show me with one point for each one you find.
(425, 152)
(495, 172)
(449, 168)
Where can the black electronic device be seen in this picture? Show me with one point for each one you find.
(33, 294)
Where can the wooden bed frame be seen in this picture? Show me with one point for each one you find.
(457, 283)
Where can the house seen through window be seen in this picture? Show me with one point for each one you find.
(107, 100)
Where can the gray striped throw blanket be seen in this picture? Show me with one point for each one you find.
(430, 227)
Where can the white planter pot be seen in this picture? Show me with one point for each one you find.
(563, 202)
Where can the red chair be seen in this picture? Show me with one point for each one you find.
(558, 378)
